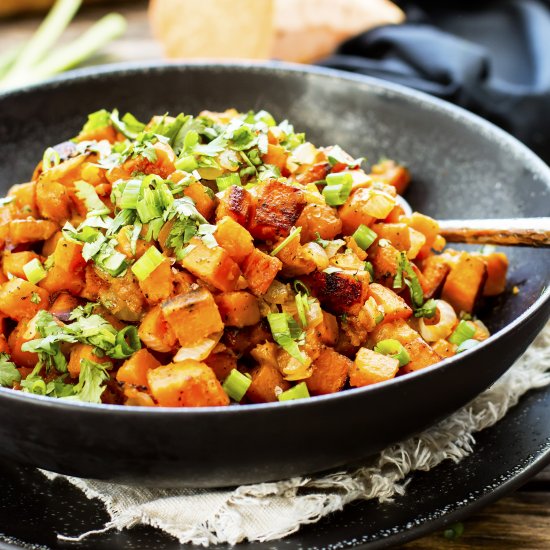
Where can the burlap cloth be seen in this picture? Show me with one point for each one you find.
(268, 511)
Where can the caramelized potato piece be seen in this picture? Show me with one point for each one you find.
(192, 316)
(396, 233)
(213, 265)
(13, 262)
(319, 220)
(277, 210)
(260, 270)
(134, 370)
(234, 238)
(235, 202)
(80, 352)
(238, 309)
(186, 384)
(330, 372)
(155, 332)
(497, 267)
(435, 271)
(394, 306)
(265, 381)
(19, 336)
(160, 283)
(370, 367)
(20, 299)
(203, 198)
(30, 230)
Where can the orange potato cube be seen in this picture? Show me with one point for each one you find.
(353, 212)
(160, 283)
(80, 352)
(192, 316)
(213, 265)
(260, 270)
(330, 372)
(235, 202)
(20, 299)
(30, 230)
(435, 271)
(238, 309)
(186, 384)
(155, 332)
(134, 370)
(421, 354)
(265, 381)
(394, 306)
(396, 233)
(318, 219)
(234, 238)
(203, 198)
(328, 329)
(19, 336)
(370, 367)
(13, 262)
(497, 266)
(465, 282)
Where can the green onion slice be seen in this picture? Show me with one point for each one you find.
(370, 269)
(51, 158)
(34, 271)
(236, 385)
(126, 344)
(223, 182)
(393, 348)
(147, 263)
(130, 195)
(293, 234)
(461, 333)
(285, 332)
(299, 286)
(427, 310)
(467, 344)
(299, 391)
(338, 188)
(364, 236)
(188, 163)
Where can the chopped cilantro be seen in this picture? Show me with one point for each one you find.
(9, 374)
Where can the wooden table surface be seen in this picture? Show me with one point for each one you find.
(520, 521)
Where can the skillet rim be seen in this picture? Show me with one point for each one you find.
(381, 87)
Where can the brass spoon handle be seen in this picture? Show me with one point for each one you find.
(513, 231)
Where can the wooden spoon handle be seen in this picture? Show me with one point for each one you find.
(513, 231)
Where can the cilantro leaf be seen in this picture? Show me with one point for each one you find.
(8, 371)
(96, 120)
(91, 380)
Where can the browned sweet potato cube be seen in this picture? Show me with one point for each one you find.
(435, 271)
(330, 372)
(259, 270)
(497, 266)
(338, 292)
(20, 299)
(396, 233)
(238, 309)
(394, 306)
(465, 282)
(192, 316)
(370, 367)
(318, 220)
(236, 203)
(213, 265)
(234, 238)
(265, 380)
(421, 354)
(277, 210)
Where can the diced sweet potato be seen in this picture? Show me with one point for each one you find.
(53, 201)
(136, 398)
(353, 212)
(186, 384)
(234, 238)
(160, 283)
(222, 363)
(58, 279)
(397, 330)
(193, 316)
(155, 332)
(13, 262)
(265, 380)
(318, 220)
(134, 370)
(427, 226)
(63, 305)
(435, 271)
(370, 367)
(276, 155)
(238, 309)
(497, 266)
(314, 172)
(396, 233)
(328, 329)
(235, 202)
(444, 348)
(203, 198)
(19, 336)
(30, 230)
(385, 263)
(394, 306)
(338, 292)
(213, 265)
(80, 352)
(421, 354)
(68, 255)
(392, 173)
(277, 210)
(330, 372)
(260, 270)
(49, 245)
(20, 299)
(242, 341)
(465, 282)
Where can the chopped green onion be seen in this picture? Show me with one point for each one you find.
(395, 349)
(364, 236)
(114, 263)
(149, 207)
(299, 391)
(293, 234)
(301, 307)
(338, 156)
(379, 318)
(130, 195)
(126, 344)
(301, 287)
(370, 269)
(466, 345)
(236, 385)
(34, 271)
(228, 180)
(147, 263)
(461, 333)
(338, 188)
(188, 163)
(285, 332)
(427, 310)
(50, 158)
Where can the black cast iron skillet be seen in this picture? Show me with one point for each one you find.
(462, 167)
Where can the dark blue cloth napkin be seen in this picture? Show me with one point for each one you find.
(492, 58)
